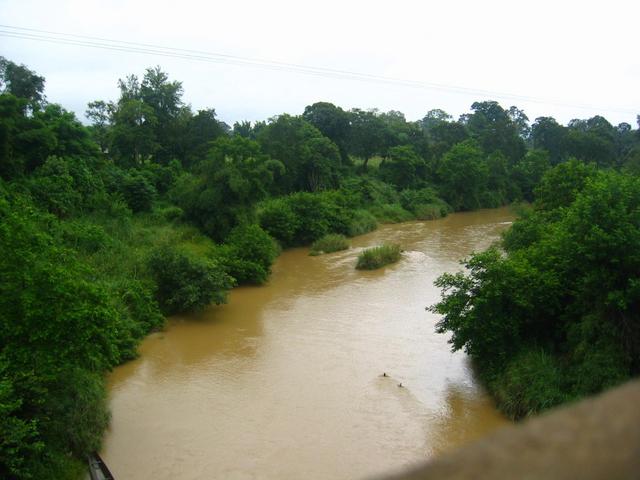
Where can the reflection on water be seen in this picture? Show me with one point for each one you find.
(285, 381)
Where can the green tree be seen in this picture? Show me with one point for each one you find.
(560, 185)
(234, 177)
(549, 135)
(312, 161)
(528, 172)
(494, 129)
(133, 133)
(333, 123)
(403, 168)
(368, 135)
(463, 175)
(248, 254)
(187, 283)
(58, 328)
(21, 82)
(557, 318)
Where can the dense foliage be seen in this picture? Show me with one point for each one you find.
(156, 209)
(557, 317)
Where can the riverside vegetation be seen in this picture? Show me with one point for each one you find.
(333, 242)
(155, 209)
(376, 257)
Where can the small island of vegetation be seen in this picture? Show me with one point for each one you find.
(377, 257)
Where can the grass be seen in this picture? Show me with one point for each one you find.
(363, 222)
(391, 213)
(379, 256)
(332, 242)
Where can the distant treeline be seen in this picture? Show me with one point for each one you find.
(155, 209)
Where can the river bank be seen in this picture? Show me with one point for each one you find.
(285, 380)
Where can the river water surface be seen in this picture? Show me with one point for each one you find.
(285, 381)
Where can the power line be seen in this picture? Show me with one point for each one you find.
(218, 58)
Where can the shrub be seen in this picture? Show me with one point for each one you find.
(85, 237)
(362, 221)
(301, 218)
(367, 191)
(52, 187)
(248, 254)
(379, 256)
(424, 203)
(171, 213)
(532, 382)
(329, 243)
(278, 219)
(138, 192)
(186, 283)
(391, 213)
(313, 214)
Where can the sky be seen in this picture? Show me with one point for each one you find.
(566, 59)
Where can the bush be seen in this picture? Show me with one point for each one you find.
(329, 243)
(248, 254)
(52, 187)
(138, 192)
(171, 213)
(367, 191)
(301, 218)
(84, 237)
(379, 256)
(424, 204)
(186, 283)
(531, 383)
(391, 213)
(362, 221)
(278, 219)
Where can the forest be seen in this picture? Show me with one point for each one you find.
(153, 209)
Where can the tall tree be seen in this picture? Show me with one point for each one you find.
(463, 174)
(311, 160)
(18, 80)
(333, 122)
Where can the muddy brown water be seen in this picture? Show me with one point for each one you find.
(285, 381)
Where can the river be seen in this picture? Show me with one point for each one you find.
(285, 381)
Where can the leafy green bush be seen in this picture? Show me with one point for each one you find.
(379, 256)
(362, 221)
(186, 283)
(138, 192)
(171, 213)
(248, 254)
(57, 329)
(329, 243)
(424, 203)
(85, 237)
(52, 187)
(138, 305)
(276, 217)
(301, 218)
(367, 191)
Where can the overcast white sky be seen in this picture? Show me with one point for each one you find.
(563, 53)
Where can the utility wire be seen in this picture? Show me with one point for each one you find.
(209, 57)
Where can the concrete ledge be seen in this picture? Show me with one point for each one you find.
(597, 438)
